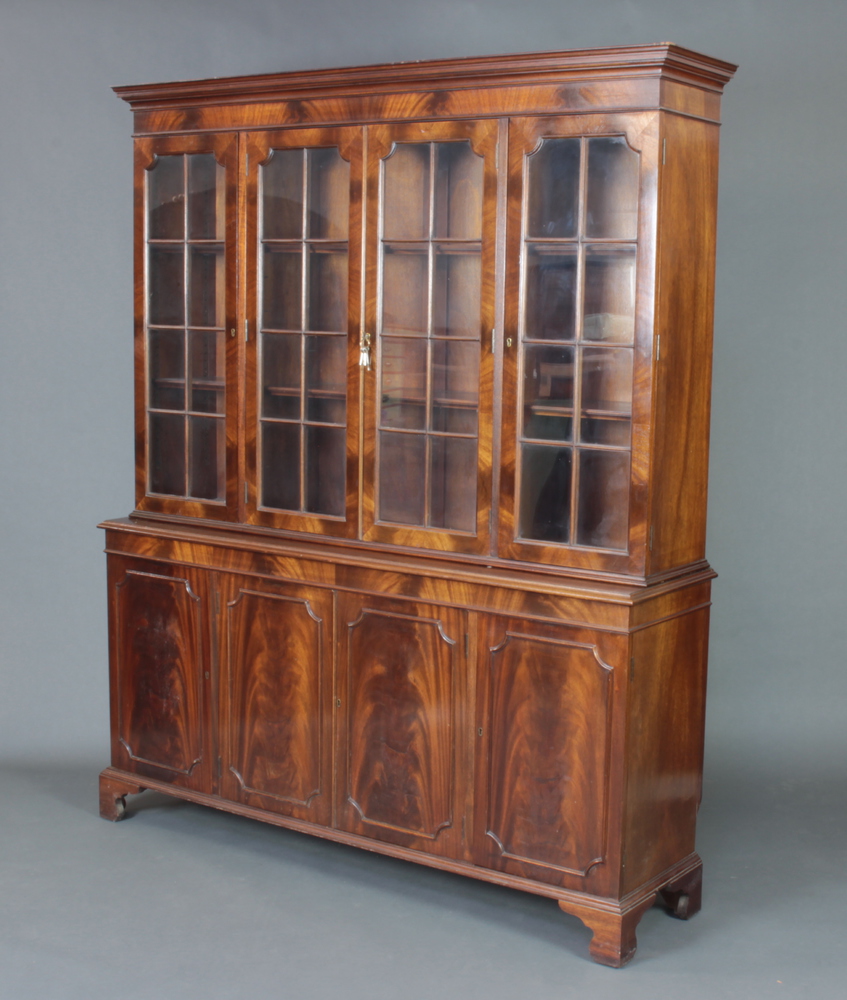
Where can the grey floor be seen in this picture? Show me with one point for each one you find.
(179, 902)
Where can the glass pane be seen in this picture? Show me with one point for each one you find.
(281, 288)
(207, 367)
(281, 375)
(405, 292)
(403, 384)
(166, 199)
(553, 179)
(606, 380)
(609, 298)
(206, 285)
(206, 197)
(545, 498)
(612, 197)
(326, 375)
(326, 459)
(329, 195)
(282, 195)
(605, 430)
(455, 386)
(167, 453)
(327, 289)
(550, 293)
(548, 390)
(458, 191)
(603, 499)
(281, 466)
(406, 192)
(167, 369)
(166, 302)
(453, 465)
(402, 471)
(208, 463)
(457, 294)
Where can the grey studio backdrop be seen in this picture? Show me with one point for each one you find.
(776, 764)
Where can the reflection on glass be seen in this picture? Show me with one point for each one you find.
(609, 296)
(167, 453)
(457, 293)
(281, 279)
(402, 471)
(458, 192)
(327, 289)
(206, 286)
(551, 274)
(602, 518)
(282, 195)
(545, 498)
(166, 199)
(329, 187)
(206, 364)
(404, 382)
(207, 463)
(405, 292)
(281, 375)
(607, 380)
(281, 466)
(206, 193)
(612, 195)
(548, 393)
(406, 192)
(553, 178)
(326, 375)
(453, 465)
(326, 457)
(166, 287)
(166, 354)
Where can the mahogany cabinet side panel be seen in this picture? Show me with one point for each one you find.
(275, 698)
(401, 720)
(664, 748)
(684, 316)
(160, 704)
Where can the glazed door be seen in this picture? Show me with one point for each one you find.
(402, 725)
(545, 718)
(578, 354)
(304, 238)
(275, 696)
(426, 348)
(186, 350)
(161, 670)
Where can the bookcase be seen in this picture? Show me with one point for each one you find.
(422, 376)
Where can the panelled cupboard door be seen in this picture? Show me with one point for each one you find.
(304, 237)
(160, 672)
(402, 726)
(578, 352)
(427, 341)
(275, 699)
(185, 318)
(545, 700)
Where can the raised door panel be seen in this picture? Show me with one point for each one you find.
(402, 729)
(187, 397)
(545, 704)
(578, 352)
(304, 276)
(275, 704)
(427, 343)
(160, 673)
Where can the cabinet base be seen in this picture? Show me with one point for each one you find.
(612, 922)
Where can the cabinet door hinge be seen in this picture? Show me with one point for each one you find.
(658, 346)
(220, 768)
(664, 150)
(651, 538)
(246, 493)
(246, 329)
(467, 643)
(631, 667)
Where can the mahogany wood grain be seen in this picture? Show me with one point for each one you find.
(275, 698)
(160, 667)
